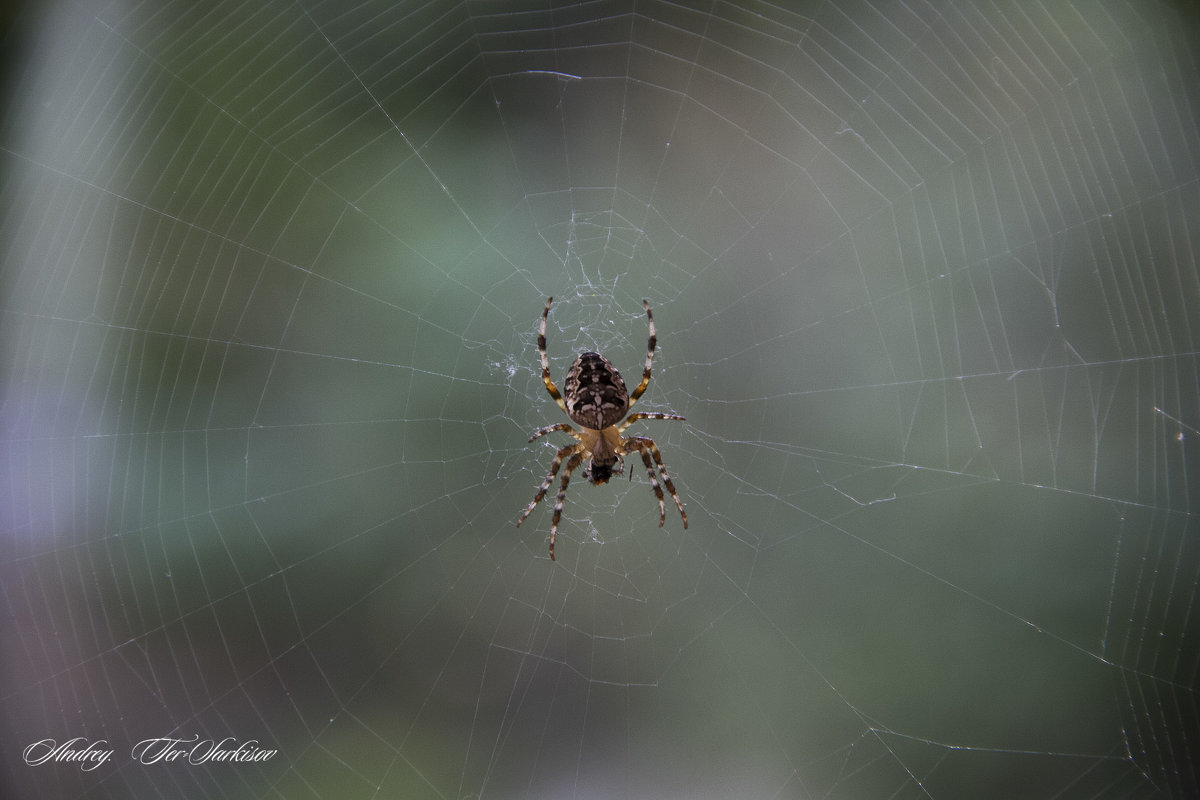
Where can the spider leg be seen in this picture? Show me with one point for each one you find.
(569, 450)
(632, 418)
(662, 508)
(560, 426)
(641, 387)
(642, 443)
(562, 493)
(550, 387)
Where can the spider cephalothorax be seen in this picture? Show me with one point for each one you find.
(595, 398)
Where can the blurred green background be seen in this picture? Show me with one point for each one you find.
(926, 287)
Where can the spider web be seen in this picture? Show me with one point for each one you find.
(926, 287)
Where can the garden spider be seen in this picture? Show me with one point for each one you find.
(596, 400)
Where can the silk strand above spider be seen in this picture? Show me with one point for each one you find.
(595, 398)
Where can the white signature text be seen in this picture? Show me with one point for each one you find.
(88, 755)
(158, 750)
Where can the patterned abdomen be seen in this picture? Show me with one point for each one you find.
(595, 393)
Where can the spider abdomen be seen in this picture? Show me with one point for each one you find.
(595, 393)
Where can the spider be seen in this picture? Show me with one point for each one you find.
(596, 400)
